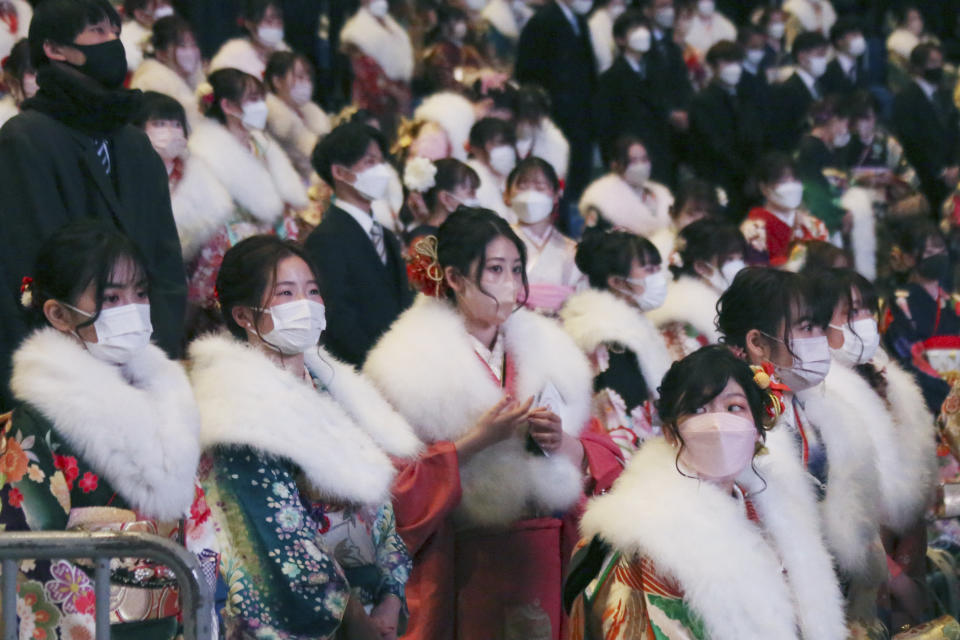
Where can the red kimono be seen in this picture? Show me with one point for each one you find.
(770, 240)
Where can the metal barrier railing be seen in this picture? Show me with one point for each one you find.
(195, 598)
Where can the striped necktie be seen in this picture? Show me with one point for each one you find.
(376, 235)
(103, 152)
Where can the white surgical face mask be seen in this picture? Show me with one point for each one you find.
(615, 11)
(841, 139)
(270, 36)
(122, 332)
(503, 159)
(169, 142)
(654, 291)
(255, 115)
(776, 30)
(637, 174)
(476, 5)
(730, 74)
(30, 86)
(372, 182)
(378, 8)
(706, 7)
(297, 326)
(532, 206)
(301, 92)
(788, 195)
(664, 17)
(188, 59)
(460, 31)
(755, 56)
(811, 363)
(721, 279)
(817, 66)
(163, 12)
(861, 338)
(857, 47)
(639, 40)
(581, 7)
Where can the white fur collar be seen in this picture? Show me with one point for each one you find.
(693, 301)
(863, 237)
(499, 13)
(247, 400)
(619, 204)
(142, 437)
(730, 570)
(426, 367)
(386, 42)
(200, 206)
(261, 187)
(849, 515)
(593, 317)
(454, 114)
(153, 75)
(550, 144)
(239, 53)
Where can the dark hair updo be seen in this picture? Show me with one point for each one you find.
(761, 298)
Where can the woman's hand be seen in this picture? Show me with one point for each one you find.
(356, 624)
(386, 615)
(502, 421)
(546, 429)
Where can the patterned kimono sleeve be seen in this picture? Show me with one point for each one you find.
(293, 583)
(393, 559)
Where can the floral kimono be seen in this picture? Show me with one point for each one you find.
(770, 239)
(91, 451)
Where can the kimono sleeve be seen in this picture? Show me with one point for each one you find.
(425, 492)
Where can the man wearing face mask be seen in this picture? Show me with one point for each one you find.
(72, 154)
(849, 70)
(927, 124)
(792, 98)
(724, 125)
(363, 278)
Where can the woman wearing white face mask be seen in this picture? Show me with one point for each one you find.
(500, 396)
(609, 324)
(533, 191)
(728, 545)
(381, 56)
(771, 319)
(174, 68)
(773, 228)
(135, 32)
(265, 189)
(293, 118)
(626, 197)
(708, 256)
(901, 433)
(297, 445)
(262, 20)
(452, 185)
(105, 437)
(708, 27)
(201, 205)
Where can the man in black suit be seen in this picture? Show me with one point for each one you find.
(928, 125)
(628, 100)
(848, 71)
(723, 126)
(363, 278)
(555, 52)
(791, 99)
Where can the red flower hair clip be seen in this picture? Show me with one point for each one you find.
(26, 292)
(423, 268)
(763, 378)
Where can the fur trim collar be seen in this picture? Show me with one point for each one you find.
(863, 237)
(550, 144)
(299, 129)
(593, 317)
(246, 400)
(730, 570)
(112, 423)
(153, 75)
(693, 301)
(261, 186)
(426, 367)
(239, 53)
(601, 35)
(385, 41)
(499, 13)
(455, 114)
(619, 204)
(200, 206)
(849, 519)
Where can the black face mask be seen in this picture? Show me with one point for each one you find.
(106, 62)
(933, 76)
(934, 267)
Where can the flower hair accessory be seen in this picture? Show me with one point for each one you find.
(205, 93)
(26, 292)
(419, 174)
(763, 378)
(423, 268)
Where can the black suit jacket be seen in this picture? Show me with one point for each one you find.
(362, 295)
(551, 55)
(929, 131)
(790, 101)
(51, 175)
(669, 73)
(835, 81)
(629, 103)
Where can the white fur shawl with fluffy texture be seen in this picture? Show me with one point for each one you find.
(693, 301)
(386, 42)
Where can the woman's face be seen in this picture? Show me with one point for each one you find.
(732, 399)
(501, 282)
(295, 281)
(846, 313)
(463, 192)
(532, 180)
(298, 74)
(253, 93)
(126, 285)
(638, 272)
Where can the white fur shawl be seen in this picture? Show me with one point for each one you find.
(297, 134)
(200, 205)
(863, 236)
(239, 53)
(426, 367)
(601, 35)
(499, 13)
(593, 317)
(261, 186)
(141, 436)
(8, 109)
(848, 508)
(386, 42)
(454, 114)
(245, 399)
(693, 301)
(619, 204)
(549, 144)
(730, 570)
(153, 75)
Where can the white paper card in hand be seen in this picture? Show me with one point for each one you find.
(550, 398)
